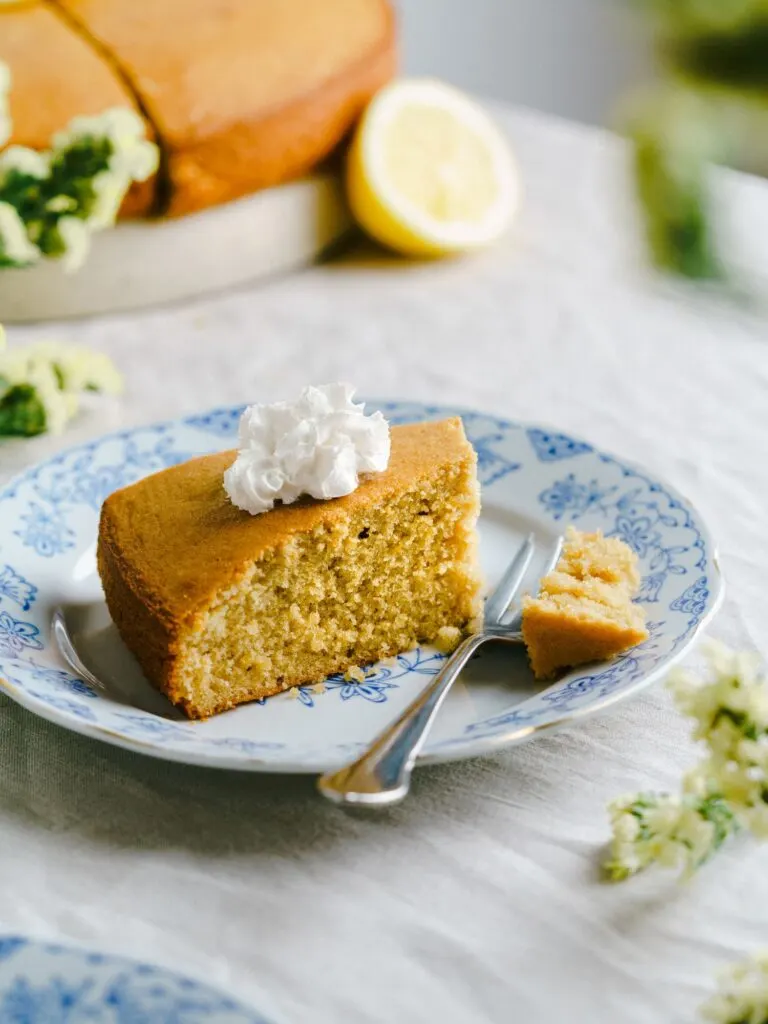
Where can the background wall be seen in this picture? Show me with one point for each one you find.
(568, 57)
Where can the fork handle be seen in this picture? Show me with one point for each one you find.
(382, 776)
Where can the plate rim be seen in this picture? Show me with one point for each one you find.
(481, 746)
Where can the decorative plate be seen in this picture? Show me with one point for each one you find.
(42, 983)
(533, 479)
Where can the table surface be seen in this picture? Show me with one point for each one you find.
(480, 900)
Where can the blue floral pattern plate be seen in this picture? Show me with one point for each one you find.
(41, 983)
(533, 479)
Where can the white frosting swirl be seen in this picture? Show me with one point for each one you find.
(318, 446)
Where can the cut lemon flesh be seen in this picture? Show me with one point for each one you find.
(428, 172)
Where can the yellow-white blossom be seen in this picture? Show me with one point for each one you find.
(80, 368)
(25, 160)
(133, 157)
(58, 373)
(743, 995)
(110, 189)
(133, 154)
(58, 218)
(15, 246)
(61, 204)
(735, 684)
(729, 786)
(76, 238)
(60, 406)
(659, 828)
(730, 710)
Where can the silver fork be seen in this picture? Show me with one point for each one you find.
(381, 776)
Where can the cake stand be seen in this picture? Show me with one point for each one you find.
(138, 264)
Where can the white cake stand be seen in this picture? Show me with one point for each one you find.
(143, 263)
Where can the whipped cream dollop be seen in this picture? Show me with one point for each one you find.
(318, 445)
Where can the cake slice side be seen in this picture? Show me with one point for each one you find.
(142, 622)
(247, 606)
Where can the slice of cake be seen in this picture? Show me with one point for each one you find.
(584, 610)
(221, 607)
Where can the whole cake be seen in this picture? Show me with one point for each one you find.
(221, 606)
(584, 610)
(239, 94)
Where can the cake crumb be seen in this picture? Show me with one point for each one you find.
(447, 639)
(354, 675)
(476, 623)
(584, 610)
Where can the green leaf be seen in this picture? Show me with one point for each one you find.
(742, 722)
(23, 191)
(715, 810)
(22, 413)
(73, 170)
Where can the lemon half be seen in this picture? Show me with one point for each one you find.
(428, 172)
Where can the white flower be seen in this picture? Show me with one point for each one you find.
(118, 124)
(659, 828)
(129, 157)
(728, 788)
(76, 238)
(110, 189)
(61, 204)
(80, 368)
(743, 995)
(730, 710)
(60, 406)
(15, 246)
(133, 157)
(58, 373)
(24, 160)
(734, 692)
(24, 366)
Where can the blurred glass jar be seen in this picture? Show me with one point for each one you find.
(711, 106)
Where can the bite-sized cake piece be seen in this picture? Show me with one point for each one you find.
(243, 94)
(584, 609)
(221, 607)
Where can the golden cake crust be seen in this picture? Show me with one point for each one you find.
(159, 527)
(244, 95)
(55, 76)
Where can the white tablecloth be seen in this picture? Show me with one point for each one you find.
(480, 900)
